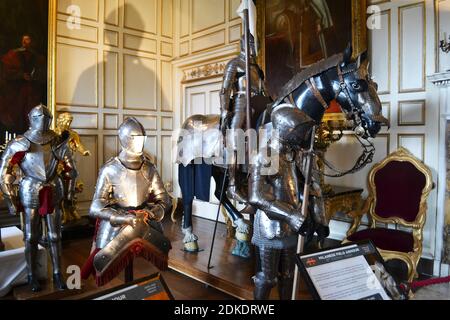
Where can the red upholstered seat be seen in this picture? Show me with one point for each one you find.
(399, 187)
(386, 239)
(398, 190)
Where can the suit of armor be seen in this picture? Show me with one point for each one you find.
(129, 193)
(275, 193)
(63, 124)
(233, 106)
(40, 190)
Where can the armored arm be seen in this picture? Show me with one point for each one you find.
(77, 145)
(229, 78)
(69, 169)
(101, 207)
(265, 201)
(160, 202)
(13, 155)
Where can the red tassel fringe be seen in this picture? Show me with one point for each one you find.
(137, 248)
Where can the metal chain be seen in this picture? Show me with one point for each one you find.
(365, 159)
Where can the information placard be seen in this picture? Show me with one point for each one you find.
(149, 288)
(345, 273)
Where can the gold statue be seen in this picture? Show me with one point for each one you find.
(63, 124)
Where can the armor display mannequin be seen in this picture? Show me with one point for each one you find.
(276, 196)
(40, 190)
(233, 107)
(63, 124)
(129, 203)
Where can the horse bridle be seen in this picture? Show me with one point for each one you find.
(368, 147)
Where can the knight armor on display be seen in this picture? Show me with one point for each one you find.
(33, 160)
(233, 106)
(130, 201)
(276, 196)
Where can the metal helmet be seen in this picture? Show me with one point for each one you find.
(292, 125)
(251, 43)
(132, 135)
(40, 118)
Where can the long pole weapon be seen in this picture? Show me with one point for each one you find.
(248, 114)
(305, 205)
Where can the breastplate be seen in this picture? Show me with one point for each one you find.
(255, 81)
(39, 162)
(131, 188)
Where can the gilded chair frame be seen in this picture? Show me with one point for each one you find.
(411, 258)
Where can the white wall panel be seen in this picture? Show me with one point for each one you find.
(412, 47)
(139, 83)
(76, 75)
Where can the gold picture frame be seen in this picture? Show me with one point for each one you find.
(51, 59)
(358, 22)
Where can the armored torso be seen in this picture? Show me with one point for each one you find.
(240, 84)
(129, 188)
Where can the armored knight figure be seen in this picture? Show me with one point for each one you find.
(275, 193)
(40, 190)
(63, 124)
(233, 106)
(129, 203)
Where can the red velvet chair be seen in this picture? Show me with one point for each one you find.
(398, 190)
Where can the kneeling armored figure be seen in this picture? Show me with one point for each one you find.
(129, 204)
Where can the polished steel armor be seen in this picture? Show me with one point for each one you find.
(127, 183)
(233, 105)
(276, 196)
(40, 190)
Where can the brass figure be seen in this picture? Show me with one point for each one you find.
(63, 124)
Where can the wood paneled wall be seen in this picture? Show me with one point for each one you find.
(115, 65)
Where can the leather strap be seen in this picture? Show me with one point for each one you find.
(311, 83)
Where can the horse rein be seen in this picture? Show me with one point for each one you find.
(368, 149)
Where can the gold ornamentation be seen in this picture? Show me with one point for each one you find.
(63, 124)
(349, 203)
(410, 258)
(204, 72)
(330, 131)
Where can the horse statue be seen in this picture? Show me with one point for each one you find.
(200, 147)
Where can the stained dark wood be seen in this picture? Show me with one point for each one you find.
(75, 252)
(189, 277)
(230, 274)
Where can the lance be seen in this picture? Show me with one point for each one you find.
(247, 76)
(305, 205)
(246, 21)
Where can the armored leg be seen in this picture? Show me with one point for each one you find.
(266, 279)
(238, 122)
(32, 234)
(54, 241)
(190, 240)
(114, 248)
(286, 278)
(233, 190)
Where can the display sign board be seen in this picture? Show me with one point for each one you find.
(349, 272)
(149, 288)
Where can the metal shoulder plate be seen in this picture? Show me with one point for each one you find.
(19, 144)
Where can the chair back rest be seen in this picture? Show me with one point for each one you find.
(399, 187)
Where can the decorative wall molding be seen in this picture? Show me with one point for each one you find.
(203, 72)
(440, 79)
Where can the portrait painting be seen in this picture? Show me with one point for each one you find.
(24, 56)
(298, 33)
